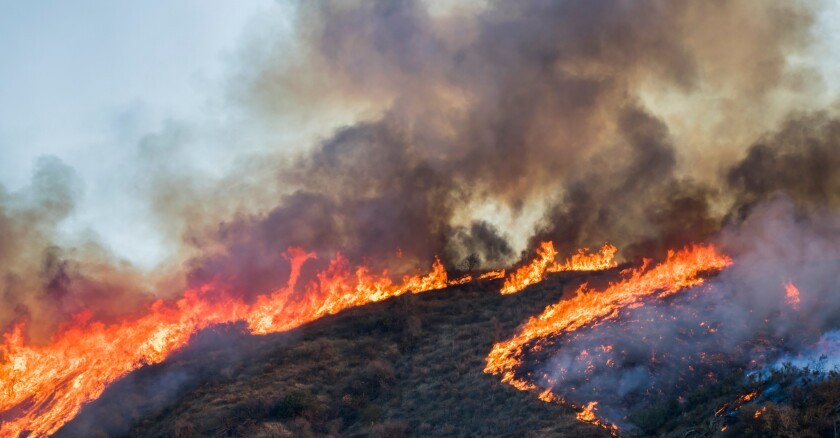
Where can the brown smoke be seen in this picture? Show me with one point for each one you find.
(545, 108)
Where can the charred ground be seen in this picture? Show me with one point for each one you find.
(410, 366)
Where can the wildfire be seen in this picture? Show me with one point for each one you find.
(535, 271)
(792, 295)
(587, 414)
(44, 386)
(492, 275)
(679, 271)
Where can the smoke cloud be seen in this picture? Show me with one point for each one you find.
(743, 319)
(529, 109)
(45, 276)
(531, 106)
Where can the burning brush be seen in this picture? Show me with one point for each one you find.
(45, 386)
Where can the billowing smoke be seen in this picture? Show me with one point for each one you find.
(45, 277)
(535, 108)
(774, 303)
(464, 120)
(801, 160)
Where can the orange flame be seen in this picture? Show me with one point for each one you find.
(44, 386)
(531, 273)
(587, 414)
(792, 295)
(492, 275)
(535, 271)
(585, 261)
(681, 270)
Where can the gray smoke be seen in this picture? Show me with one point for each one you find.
(741, 320)
(528, 105)
(540, 108)
(44, 278)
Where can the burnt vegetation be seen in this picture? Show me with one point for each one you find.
(412, 366)
(791, 402)
(408, 366)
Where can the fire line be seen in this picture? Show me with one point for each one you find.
(45, 386)
(679, 271)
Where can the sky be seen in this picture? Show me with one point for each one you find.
(87, 81)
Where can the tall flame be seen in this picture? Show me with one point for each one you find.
(792, 295)
(535, 271)
(44, 386)
(680, 270)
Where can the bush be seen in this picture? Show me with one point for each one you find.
(293, 404)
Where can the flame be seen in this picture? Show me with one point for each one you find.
(531, 273)
(461, 280)
(587, 414)
(45, 386)
(535, 271)
(679, 271)
(792, 295)
(492, 275)
(585, 261)
(736, 404)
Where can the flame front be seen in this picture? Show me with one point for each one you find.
(535, 271)
(44, 386)
(588, 415)
(792, 295)
(679, 271)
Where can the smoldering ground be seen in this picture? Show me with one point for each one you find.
(743, 319)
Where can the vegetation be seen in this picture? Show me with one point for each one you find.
(409, 366)
(789, 402)
(412, 366)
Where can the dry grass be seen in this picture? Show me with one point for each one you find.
(410, 366)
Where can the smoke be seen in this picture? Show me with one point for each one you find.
(530, 106)
(44, 276)
(743, 319)
(823, 356)
(800, 160)
(529, 109)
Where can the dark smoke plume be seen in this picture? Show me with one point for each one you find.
(741, 320)
(535, 109)
(528, 105)
(43, 279)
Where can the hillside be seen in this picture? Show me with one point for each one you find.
(410, 366)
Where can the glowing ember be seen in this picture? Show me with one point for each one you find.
(462, 280)
(792, 295)
(681, 270)
(44, 386)
(587, 414)
(535, 271)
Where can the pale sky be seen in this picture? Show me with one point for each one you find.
(86, 80)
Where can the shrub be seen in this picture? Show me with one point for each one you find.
(293, 404)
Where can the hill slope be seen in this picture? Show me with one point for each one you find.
(409, 366)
